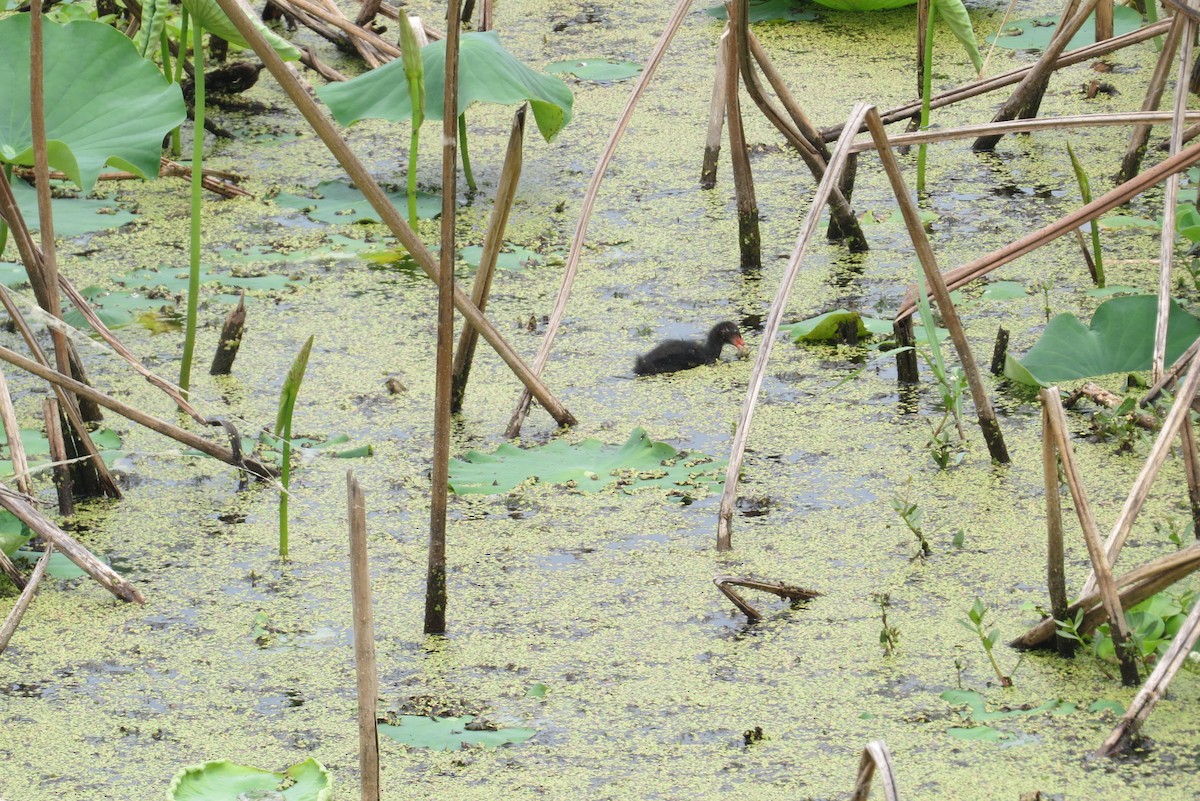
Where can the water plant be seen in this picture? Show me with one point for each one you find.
(306, 781)
(975, 623)
(889, 635)
(952, 384)
(283, 429)
(954, 14)
(1096, 264)
(911, 515)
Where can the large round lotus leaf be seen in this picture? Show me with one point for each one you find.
(864, 5)
(213, 19)
(1119, 340)
(105, 104)
(223, 780)
(487, 73)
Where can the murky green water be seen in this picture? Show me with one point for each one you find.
(607, 599)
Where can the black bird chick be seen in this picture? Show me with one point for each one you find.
(680, 354)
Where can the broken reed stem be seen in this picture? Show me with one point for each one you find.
(585, 210)
(1025, 99)
(876, 758)
(1140, 135)
(58, 457)
(726, 583)
(991, 83)
(771, 329)
(12, 431)
(1056, 580)
(1156, 686)
(749, 238)
(296, 90)
(1191, 466)
(716, 122)
(1170, 375)
(1136, 586)
(506, 191)
(364, 641)
(843, 224)
(934, 136)
(986, 415)
(1119, 631)
(907, 366)
(136, 415)
(9, 569)
(960, 276)
(27, 592)
(45, 528)
(435, 584)
(355, 33)
(231, 339)
(1149, 472)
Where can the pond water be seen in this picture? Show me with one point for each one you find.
(605, 598)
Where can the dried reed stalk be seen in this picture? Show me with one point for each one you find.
(506, 191)
(716, 119)
(27, 592)
(1149, 472)
(984, 412)
(1056, 581)
(726, 584)
(1132, 161)
(749, 238)
(45, 528)
(295, 88)
(585, 211)
(1155, 687)
(771, 329)
(1119, 631)
(58, 457)
(12, 431)
(366, 676)
(230, 340)
(1136, 586)
(964, 274)
(876, 758)
(435, 584)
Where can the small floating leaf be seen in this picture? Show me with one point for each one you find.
(596, 69)
(980, 733)
(1035, 34)
(338, 203)
(72, 216)
(1003, 290)
(449, 734)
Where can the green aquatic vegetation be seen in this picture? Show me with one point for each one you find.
(952, 384)
(13, 533)
(889, 635)
(72, 216)
(911, 514)
(1036, 33)
(222, 779)
(954, 14)
(979, 715)
(1152, 624)
(587, 466)
(600, 70)
(1085, 191)
(283, 429)
(450, 733)
(975, 623)
(827, 326)
(338, 203)
(106, 105)
(1119, 339)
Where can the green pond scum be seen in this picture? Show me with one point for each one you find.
(649, 679)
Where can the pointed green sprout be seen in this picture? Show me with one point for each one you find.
(414, 74)
(283, 429)
(954, 14)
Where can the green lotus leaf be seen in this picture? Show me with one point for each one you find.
(213, 19)
(514, 257)
(339, 203)
(1035, 34)
(72, 216)
(979, 733)
(59, 567)
(954, 14)
(487, 73)
(590, 465)
(864, 5)
(596, 69)
(824, 327)
(175, 280)
(1118, 221)
(1003, 290)
(223, 780)
(771, 11)
(118, 308)
(449, 734)
(1120, 339)
(108, 104)
(13, 533)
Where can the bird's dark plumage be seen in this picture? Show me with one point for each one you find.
(680, 354)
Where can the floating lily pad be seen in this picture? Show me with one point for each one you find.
(597, 69)
(449, 734)
(513, 257)
(175, 280)
(770, 11)
(1035, 34)
(1003, 290)
(978, 708)
(13, 533)
(111, 106)
(487, 73)
(588, 466)
(338, 203)
(984, 734)
(60, 566)
(1120, 339)
(117, 308)
(72, 216)
(825, 327)
(1119, 221)
(223, 780)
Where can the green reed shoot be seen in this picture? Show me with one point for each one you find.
(283, 431)
(1085, 190)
